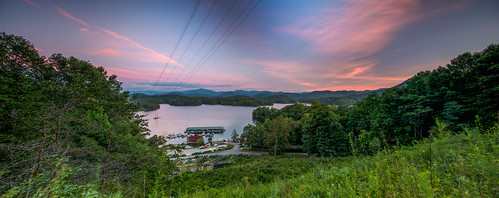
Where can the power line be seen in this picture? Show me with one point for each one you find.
(176, 45)
(209, 38)
(215, 47)
(194, 37)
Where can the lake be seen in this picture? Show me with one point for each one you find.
(175, 119)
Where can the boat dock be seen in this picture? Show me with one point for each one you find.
(204, 130)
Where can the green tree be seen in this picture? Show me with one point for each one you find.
(323, 134)
(277, 135)
(64, 110)
(200, 142)
(235, 135)
(260, 114)
(253, 135)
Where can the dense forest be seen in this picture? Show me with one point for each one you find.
(69, 130)
(149, 103)
(465, 93)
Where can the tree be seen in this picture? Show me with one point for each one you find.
(277, 135)
(200, 142)
(234, 135)
(65, 112)
(260, 114)
(253, 135)
(323, 134)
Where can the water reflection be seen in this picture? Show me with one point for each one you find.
(175, 119)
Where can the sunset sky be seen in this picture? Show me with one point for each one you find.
(275, 45)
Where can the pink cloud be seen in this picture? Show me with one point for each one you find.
(293, 72)
(67, 15)
(150, 55)
(129, 74)
(357, 71)
(107, 52)
(85, 30)
(308, 84)
(353, 34)
(362, 27)
(31, 3)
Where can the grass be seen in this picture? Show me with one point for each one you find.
(463, 165)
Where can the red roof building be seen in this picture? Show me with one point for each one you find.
(192, 140)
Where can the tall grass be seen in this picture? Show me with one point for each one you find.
(463, 165)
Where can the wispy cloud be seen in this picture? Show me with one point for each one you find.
(362, 27)
(356, 71)
(107, 52)
(69, 16)
(353, 34)
(87, 31)
(129, 74)
(31, 3)
(150, 56)
(290, 71)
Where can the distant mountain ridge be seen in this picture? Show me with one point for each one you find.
(149, 100)
(300, 95)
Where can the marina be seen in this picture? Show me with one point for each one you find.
(172, 121)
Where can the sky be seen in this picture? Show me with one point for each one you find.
(273, 45)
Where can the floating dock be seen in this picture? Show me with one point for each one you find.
(205, 130)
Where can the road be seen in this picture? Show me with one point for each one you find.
(234, 151)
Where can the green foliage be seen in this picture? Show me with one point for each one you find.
(244, 171)
(463, 165)
(200, 142)
(261, 114)
(253, 135)
(45, 185)
(277, 135)
(58, 108)
(234, 135)
(323, 134)
(149, 103)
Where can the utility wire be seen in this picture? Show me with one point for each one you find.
(194, 37)
(176, 45)
(215, 47)
(207, 40)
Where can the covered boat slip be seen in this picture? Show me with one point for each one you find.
(201, 130)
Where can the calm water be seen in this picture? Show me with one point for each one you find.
(175, 119)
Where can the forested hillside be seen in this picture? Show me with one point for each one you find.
(68, 129)
(151, 102)
(148, 103)
(464, 93)
(248, 98)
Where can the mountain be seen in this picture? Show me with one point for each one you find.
(150, 100)
(261, 94)
(198, 93)
(403, 84)
(148, 92)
